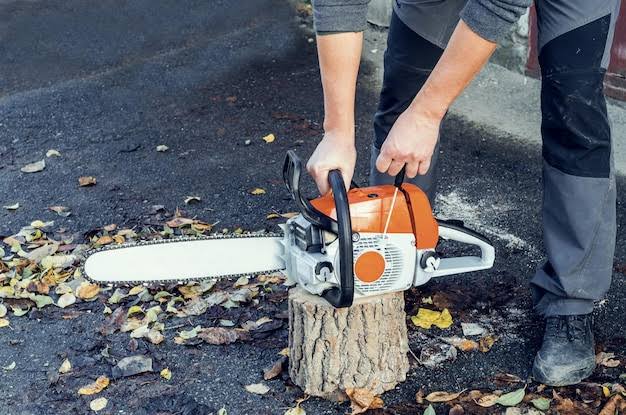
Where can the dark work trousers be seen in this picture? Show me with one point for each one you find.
(579, 200)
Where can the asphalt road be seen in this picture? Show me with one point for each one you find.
(106, 82)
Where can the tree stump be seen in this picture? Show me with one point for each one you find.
(364, 346)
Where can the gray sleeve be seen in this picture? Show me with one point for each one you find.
(492, 19)
(332, 16)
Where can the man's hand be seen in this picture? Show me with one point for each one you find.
(335, 151)
(411, 141)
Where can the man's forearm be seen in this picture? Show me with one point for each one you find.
(339, 57)
(463, 58)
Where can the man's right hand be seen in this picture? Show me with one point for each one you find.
(335, 151)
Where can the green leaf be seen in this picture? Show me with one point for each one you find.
(512, 398)
(430, 410)
(222, 411)
(543, 404)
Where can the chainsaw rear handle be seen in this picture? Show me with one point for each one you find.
(343, 295)
(454, 230)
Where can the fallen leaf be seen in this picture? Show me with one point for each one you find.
(34, 167)
(62, 211)
(66, 300)
(10, 366)
(362, 400)
(457, 410)
(275, 370)
(257, 191)
(162, 148)
(607, 360)
(486, 343)
(284, 352)
(131, 366)
(296, 410)
(179, 222)
(53, 153)
(512, 398)
(487, 401)
(241, 281)
(189, 334)
(221, 335)
(95, 387)
(269, 138)
(192, 199)
(85, 181)
(14, 206)
(273, 216)
(258, 388)
(18, 312)
(114, 322)
(615, 406)
(136, 290)
(472, 329)
(104, 240)
(98, 404)
(465, 345)
(65, 367)
(442, 396)
(87, 290)
(543, 404)
(3, 310)
(166, 374)
(430, 410)
(427, 318)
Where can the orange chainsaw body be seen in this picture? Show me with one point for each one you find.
(370, 208)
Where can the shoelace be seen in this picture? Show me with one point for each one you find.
(572, 327)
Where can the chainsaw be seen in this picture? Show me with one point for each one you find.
(343, 245)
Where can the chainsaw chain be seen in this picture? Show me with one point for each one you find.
(165, 282)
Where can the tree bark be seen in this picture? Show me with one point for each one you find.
(364, 346)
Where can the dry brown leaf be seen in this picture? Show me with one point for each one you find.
(104, 240)
(615, 405)
(87, 291)
(487, 401)
(607, 360)
(179, 222)
(95, 387)
(486, 343)
(85, 181)
(442, 396)
(456, 410)
(362, 400)
(275, 370)
(419, 396)
(221, 335)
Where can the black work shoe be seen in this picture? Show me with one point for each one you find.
(567, 355)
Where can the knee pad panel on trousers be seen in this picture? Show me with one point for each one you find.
(575, 127)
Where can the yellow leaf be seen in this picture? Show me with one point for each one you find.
(38, 224)
(136, 290)
(95, 387)
(257, 191)
(87, 290)
(134, 310)
(606, 391)
(427, 318)
(98, 404)
(269, 138)
(4, 322)
(65, 367)
(486, 343)
(166, 374)
(85, 181)
(273, 216)
(284, 352)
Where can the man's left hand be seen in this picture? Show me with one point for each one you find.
(411, 141)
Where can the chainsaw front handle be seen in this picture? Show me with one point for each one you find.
(342, 295)
(454, 230)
